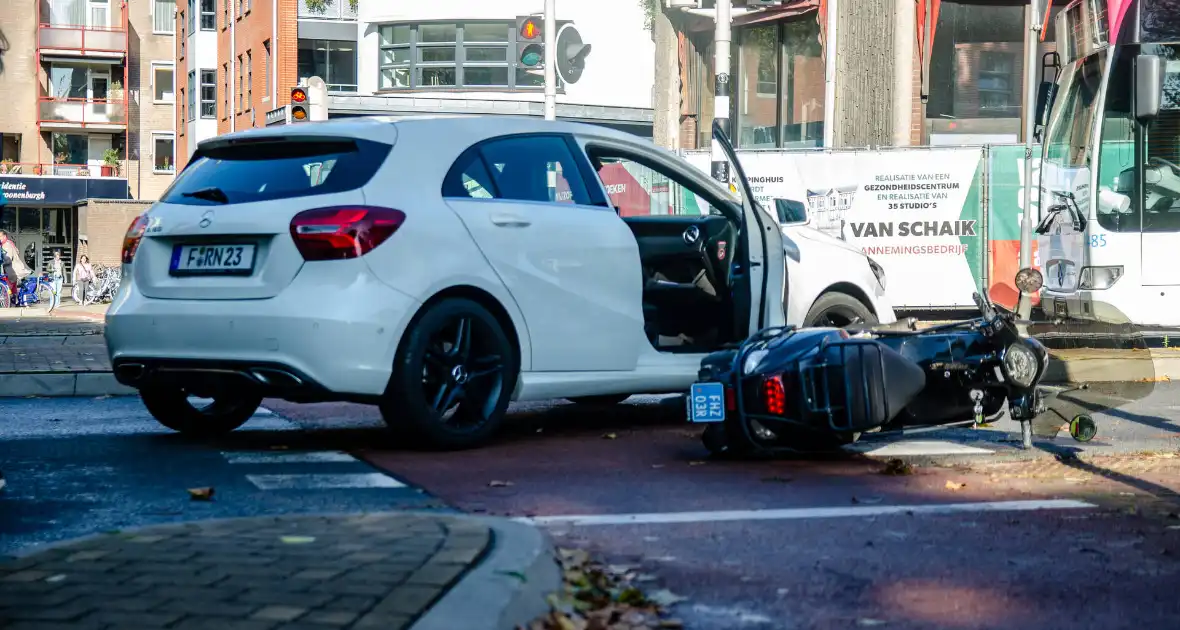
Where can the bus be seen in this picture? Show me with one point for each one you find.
(1108, 240)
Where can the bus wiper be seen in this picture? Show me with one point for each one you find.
(209, 194)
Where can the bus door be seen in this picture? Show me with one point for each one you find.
(1161, 178)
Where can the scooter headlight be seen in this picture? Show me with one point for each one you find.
(1021, 364)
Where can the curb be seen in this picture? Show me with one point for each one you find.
(506, 590)
(61, 385)
(1126, 366)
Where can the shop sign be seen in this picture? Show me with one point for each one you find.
(59, 191)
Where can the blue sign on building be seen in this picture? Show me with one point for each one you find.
(59, 191)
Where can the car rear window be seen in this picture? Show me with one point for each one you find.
(265, 169)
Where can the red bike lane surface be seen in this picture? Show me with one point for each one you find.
(1067, 568)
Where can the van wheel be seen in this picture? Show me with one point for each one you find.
(604, 400)
(173, 408)
(837, 310)
(453, 377)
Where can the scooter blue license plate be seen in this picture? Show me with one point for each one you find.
(706, 403)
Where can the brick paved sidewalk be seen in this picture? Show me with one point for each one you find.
(366, 571)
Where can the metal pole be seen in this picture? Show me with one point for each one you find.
(721, 38)
(550, 60)
(1031, 38)
(830, 76)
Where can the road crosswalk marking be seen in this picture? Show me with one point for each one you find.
(324, 481)
(283, 457)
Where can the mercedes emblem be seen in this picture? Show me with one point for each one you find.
(206, 219)
(692, 234)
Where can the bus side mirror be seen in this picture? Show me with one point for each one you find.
(1149, 87)
(1046, 94)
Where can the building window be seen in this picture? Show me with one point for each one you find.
(225, 14)
(977, 72)
(182, 113)
(183, 37)
(208, 94)
(225, 97)
(449, 56)
(164, 17)
(208, 15)
(163, 83)
(239, 9)
(192, 17)
(240, 81)
(192, 95)
(780, 88)
(249, 80)
(332, 61)
(163, 152)
(266, 69)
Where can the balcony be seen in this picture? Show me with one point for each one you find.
(64, 114)
(70, 32)
(33, 169)
(328, 10)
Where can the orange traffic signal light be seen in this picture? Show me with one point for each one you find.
(298, 95)
(299, 105)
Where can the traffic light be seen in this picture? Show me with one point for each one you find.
(300, 107)
(571, 53)
(530, 41)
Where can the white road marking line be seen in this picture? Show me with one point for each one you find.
(804, 513)
(201, 402)
(324, 482)
(272, 457)
(263, 411)
(917, 447)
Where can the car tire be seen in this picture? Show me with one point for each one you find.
(604, 400)
(432, 375)
(172, 408)
(838, 310)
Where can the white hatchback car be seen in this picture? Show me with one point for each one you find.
(437, 267)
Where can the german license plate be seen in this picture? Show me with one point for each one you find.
(706, 402)
(1060, 308)
(226, 260)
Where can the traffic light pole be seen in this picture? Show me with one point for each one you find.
(720, 167)
(550, 60)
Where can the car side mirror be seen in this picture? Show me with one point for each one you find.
(791, 212)
(1149, 87)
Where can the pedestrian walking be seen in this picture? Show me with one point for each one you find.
(83, 276)
(14, 268)
(57, 276)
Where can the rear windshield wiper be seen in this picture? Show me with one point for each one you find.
(210, 194)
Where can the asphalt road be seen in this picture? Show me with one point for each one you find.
(806, 543)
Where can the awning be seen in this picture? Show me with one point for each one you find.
(785, 10)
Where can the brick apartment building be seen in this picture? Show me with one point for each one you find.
(86, 113)
(972, 91)
(235, 61)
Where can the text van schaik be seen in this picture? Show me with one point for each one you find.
(877, 229)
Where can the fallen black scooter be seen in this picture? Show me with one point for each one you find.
(814, 389)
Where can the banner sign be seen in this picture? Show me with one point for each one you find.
(918, 213)
(59, 191)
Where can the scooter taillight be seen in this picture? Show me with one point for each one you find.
(774, 395)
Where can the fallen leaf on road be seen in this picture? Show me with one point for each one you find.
(696, 463)
(671, 623)
(297, 540)
(55, 578)
(200, 494)
(609, 436)
(954, 485)
(657, 465)
(664, 597)
(279, 447)
(868, 622)
(102, 397)
(897, 467)
(499, 484)
(866, 500)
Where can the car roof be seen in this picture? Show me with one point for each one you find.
(441, 130)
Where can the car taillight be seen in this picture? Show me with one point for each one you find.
(133, 237)
(730, 399)
(774, 395)
(344, 231)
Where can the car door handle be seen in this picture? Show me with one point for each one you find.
(510, 220)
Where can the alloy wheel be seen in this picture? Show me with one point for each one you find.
(463, 372)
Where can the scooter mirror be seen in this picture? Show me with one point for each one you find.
(1029, 280)
(1083, 428)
